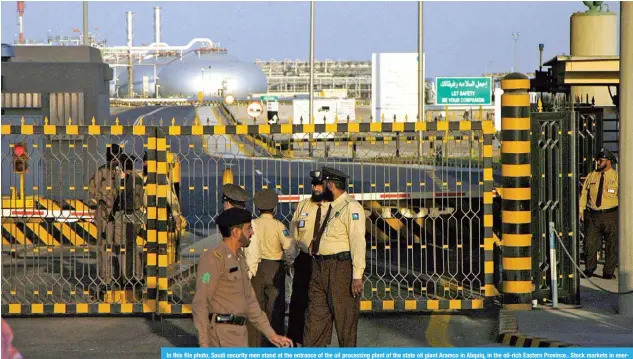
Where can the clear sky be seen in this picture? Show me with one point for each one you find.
(460, 38)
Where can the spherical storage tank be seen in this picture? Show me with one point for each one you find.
(214, 74)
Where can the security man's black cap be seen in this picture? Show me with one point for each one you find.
(266, 199)
(234, 193)
(316, 177)
(606, 154)
(333, 174)
(233, 217)
(127, 160)
(112, 152)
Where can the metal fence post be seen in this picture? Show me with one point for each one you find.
(152, 224)
(516, 173)
(162, 222)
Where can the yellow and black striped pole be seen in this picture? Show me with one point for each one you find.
(162, 221)
(151, 190)
(516, 173)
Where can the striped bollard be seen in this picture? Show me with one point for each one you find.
(516, 173)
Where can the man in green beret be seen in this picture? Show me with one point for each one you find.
(224, 299)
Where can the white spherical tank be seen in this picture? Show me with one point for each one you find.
(213, 74)
(593, 33)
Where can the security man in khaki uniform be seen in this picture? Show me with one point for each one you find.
(337, 269)
(224, 298)
(265, 259)
(128, 219)
(234, 196)
(103, 188)
(304, 227)
(599, 212)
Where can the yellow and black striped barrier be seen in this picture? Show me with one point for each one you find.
(516, 173)
(199, 129)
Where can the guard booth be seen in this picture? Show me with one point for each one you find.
(566, 133)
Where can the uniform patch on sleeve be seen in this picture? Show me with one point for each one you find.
(355, 216)
(206, 278)
(217, 254)
(286, 233)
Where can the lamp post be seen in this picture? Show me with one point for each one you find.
(515, 36)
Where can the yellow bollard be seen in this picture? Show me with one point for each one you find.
(227, 176)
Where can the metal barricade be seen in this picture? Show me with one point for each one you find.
(426, 189)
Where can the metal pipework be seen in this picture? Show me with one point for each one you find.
(86, 32)
(130, 69)
(310, 120)
(156, 24)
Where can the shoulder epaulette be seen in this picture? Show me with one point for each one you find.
(217, 254)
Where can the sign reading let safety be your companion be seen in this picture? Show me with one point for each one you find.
(463, 91)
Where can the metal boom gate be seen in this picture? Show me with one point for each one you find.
(426, 186)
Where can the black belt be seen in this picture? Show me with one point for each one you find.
(273, 260)
(228, 319)
(598, 211)
(342, 256)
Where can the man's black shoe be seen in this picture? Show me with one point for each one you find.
(588, 273)
(608, 276)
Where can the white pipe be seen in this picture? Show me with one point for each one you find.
(157, 24)
(163, 46)
(129, 31)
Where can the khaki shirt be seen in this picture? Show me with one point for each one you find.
(270, 240)
(346, 232)
(302, 224)
(103, 187)
(589, 193)
(223, 287)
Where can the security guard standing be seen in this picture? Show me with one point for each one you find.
(224, 297)
(265, 258)
(338, 265)
(599, 212)
(304, 227)
(128, 219)
(103, 188)
(234, 196)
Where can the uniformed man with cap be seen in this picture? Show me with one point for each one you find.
(270, 247)
(338, 265)
(234, 196)
(304, 227)
(599, 212)
(103, 188)
(224, 298)
(128, 219)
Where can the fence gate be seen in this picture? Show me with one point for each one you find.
(426, 189)
(562, 155)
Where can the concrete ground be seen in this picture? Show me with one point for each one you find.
(111, 337)
(595, 323)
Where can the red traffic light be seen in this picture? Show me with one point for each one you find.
(18, 150)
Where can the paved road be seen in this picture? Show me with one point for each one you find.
(98, 338)
(202, 172)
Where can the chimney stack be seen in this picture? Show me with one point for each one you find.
(156, 24)
(21, 20)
